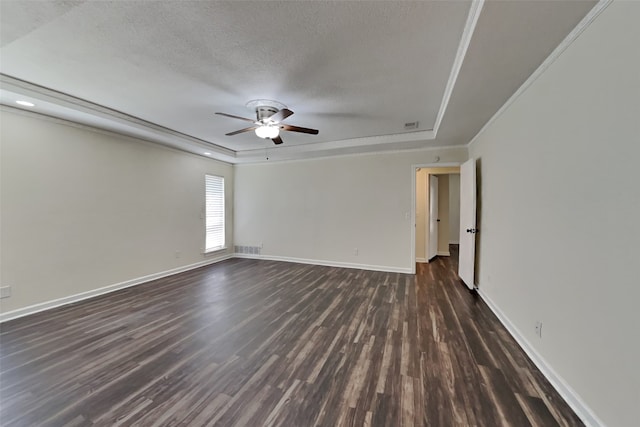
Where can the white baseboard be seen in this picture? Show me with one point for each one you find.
(572, 398)
(47, 305)
(422, 260)
(454, 242)
(327, 263)
(444, 253)
(32, 309)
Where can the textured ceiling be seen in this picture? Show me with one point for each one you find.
(352, 69)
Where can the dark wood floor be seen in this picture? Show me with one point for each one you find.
(254, 343)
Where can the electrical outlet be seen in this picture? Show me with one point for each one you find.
(539, 329)
(178, 254)
(5, 292)
(355, 251)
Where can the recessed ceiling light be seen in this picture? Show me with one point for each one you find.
(207, 153)
(26, 103)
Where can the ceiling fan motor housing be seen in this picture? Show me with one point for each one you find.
(265, 108)
(263, 113)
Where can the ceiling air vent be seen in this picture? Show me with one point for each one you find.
(411, 125)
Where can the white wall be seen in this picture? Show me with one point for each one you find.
(454, 208)
(82, 209)
(323, 209)
(560, 197)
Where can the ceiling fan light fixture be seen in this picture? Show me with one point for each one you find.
(268, 121)
(267, 132)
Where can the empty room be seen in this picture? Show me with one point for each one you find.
(319, 213)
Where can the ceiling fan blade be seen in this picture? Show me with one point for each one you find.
(277, 140)
(292, 128)
(281, 115)
(241, 131)
(236, 117)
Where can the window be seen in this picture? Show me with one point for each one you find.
(214, 213)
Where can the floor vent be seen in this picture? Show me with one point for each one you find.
(253, 250)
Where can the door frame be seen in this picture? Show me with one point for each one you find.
(412, 225)
(432, 225)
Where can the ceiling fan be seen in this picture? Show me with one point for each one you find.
(268, 123)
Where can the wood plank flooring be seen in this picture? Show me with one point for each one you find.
(263, 343)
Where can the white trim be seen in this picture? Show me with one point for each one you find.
(443, 253)
(364, 141)
(422, 260)
(412, 224)
(208, 252)
(256, 155)
(339, 264)
(94, 115)
(438, 165)
(465, 40)
(241, 161)
(454, 242)
(588, 417)
(357, 154)
(143, 128)
(557, 52)
(138, 139)
(36, 308)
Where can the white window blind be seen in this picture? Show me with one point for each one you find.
(214, 205)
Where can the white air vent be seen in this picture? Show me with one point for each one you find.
(411, 125)
(254, 250)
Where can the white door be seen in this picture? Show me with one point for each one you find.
(432, 245)
(466, 261)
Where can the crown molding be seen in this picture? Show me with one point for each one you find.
(61, 106)
(465, 41)
(373, 143)
(320, 155)
(97, 114)
(557, 52)
(76, 110)
(102, 131)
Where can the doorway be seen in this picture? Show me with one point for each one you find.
(436, 210)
